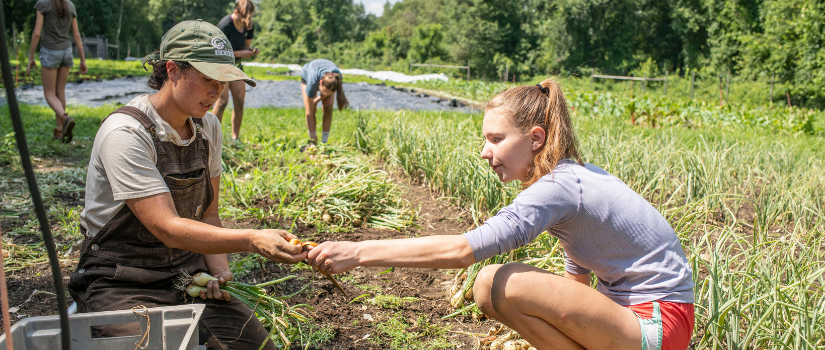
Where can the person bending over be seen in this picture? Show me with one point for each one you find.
(644, 297)
(320, 80)
(151, 212)
(240, 30)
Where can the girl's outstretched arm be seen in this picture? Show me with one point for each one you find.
(443, 252)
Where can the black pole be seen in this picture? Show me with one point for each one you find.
(25, 159)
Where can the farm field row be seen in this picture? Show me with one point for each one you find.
(653, 109)
(746, 202)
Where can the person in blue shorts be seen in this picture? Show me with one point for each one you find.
(320, 80)
(55, 19)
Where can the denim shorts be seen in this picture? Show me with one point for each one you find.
(55, 59)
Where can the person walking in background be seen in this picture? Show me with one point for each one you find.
(321, 76)
(54, 20)
(239, 29)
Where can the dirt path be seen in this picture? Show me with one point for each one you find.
(31, 290)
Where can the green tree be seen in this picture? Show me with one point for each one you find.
(426, 42)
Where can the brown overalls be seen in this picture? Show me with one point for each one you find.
(124, 265)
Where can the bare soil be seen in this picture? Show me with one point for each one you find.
(32, 292)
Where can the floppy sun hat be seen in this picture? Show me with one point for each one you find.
(202, 45)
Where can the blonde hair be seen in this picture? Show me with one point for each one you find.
(335, 83)
(245, 8)
(541, 105)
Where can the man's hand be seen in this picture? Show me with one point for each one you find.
(244, 53)
(334, 257)
(274, 245)
(213, 288)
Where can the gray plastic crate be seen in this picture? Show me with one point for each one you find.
(173, 328)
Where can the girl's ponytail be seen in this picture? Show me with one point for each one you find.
(334, 82)
(339, 95)
(541, 105)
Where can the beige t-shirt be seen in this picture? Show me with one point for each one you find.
(122, 165)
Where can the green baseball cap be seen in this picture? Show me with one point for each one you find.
(202, 45)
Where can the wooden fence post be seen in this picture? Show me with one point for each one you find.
(644, 85)
(632, 87)
(468, 70)
(506, 71)
(411, 62)
(666, 74)
(692, 80)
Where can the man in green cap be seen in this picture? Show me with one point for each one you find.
(151, 210)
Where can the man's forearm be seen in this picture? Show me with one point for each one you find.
(203, 238)
(216, 263)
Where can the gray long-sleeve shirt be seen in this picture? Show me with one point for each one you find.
(603, 226)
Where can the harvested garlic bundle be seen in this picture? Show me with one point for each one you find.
(469, 294)
(511, 345)
(457, 300)
(456, 286)
(498, 343)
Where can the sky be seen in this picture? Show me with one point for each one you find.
(375, 6)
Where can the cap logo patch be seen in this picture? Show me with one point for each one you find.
(219, 45)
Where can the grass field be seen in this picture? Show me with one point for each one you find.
(746, 200)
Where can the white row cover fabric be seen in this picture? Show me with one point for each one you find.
(380, 75)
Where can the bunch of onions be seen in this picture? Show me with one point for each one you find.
(273, 312)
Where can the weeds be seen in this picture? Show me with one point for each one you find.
(400, 333)
(390, 301)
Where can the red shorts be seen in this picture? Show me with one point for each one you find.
(677, 322)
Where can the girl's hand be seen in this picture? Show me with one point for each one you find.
(31, 65)
(334, 257)
(82, 67)
(213, 288)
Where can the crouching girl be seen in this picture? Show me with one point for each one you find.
(644, 295)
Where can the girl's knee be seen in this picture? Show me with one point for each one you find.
(482, 286)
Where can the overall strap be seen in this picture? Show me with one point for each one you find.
(134, 112)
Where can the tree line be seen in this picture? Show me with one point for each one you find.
(752, 39)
